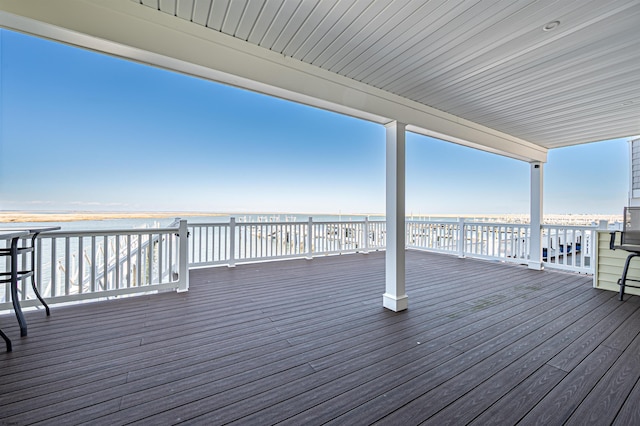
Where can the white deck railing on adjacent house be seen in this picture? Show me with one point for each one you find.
(94, 264)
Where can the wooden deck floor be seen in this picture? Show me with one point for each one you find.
(307, 342)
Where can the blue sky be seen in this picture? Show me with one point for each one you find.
(83, 131)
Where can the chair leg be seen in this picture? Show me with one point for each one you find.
(624, 274)
(6, 340)
(37, 293)
(33, 273)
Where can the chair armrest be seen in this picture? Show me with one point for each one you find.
(612, 241)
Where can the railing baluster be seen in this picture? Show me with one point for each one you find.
(249, 238)
(129, 260)
(195, 251)
(150, 250)
(204, 230)
(159, 258)
(93, 264)
(38, 266)
(244, 253)
(53, 268)
(566, 246)
(80, 276)
(117, 261)
(105, 262)
(215, 244)
(139, 261)
(206, 244)
(574, 247)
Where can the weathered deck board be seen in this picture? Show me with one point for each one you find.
(307, 342)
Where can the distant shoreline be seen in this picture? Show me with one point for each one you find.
(30, 216)
(19, 217)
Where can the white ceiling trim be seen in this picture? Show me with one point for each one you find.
(123, 28)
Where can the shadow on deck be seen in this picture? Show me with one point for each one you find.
(308, 342)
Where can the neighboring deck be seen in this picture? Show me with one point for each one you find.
(308, 342)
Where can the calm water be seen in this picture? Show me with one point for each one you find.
(115, 224)
(163, 222)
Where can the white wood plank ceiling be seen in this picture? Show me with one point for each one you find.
(489, 61)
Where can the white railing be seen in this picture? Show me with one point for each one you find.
(564, 247)
(503, 241)
(437, 236)
(240, 242)
(570, 248)
(93, 264)
(497, 241)
(209, 244)
(347, 237)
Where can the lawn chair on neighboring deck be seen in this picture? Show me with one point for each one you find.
(629, 241)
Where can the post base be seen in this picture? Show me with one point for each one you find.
(394, 303)
(538, 266)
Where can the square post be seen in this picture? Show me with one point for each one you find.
(232, 242)
(183, 262)
(535, 239)
(366, 236)
(461, 237)
(310, 238)
(395, 297)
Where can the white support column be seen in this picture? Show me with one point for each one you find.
(395, 297)
(535, 242)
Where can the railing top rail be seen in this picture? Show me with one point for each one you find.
(243, 223)
(511, 225)
(346, 222)
(577, 227)
(467, 222)
(431, 221)
(108, 232)
(300, 222)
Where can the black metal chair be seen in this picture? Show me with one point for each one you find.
(629, 241)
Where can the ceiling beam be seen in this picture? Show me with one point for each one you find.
(126, 29)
